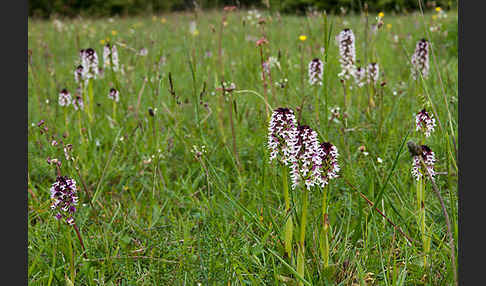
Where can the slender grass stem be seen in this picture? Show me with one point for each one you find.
(233, 134)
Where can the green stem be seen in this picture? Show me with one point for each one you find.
(325, 228)
(289, 227)
(65, 119)
(316, 98)
(114, 110)
(301, 254)
(285, 188)
(71, 256)
(421, 218)
(90, 102)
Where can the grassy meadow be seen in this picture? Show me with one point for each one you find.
(174, 180)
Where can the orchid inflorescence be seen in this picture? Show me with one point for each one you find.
(89, 61)
(114, 94)
(110, 57)
(420, 59)
(425, 122)
(282, 127)
(311, 163)
(429, 159)
(64, 98)
(316, 68)
(79, 74)
(64, 196)
(360, 76)
(347, 54)
(373, 72)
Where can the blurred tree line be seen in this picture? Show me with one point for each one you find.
(99, 8)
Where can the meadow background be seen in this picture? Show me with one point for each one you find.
(153, 213)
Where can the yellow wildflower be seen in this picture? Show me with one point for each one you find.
(114, 32)
(381, 14)
(163, 20)
(102, 41)
(302, 37)
(195, 33)
(438, 9)
(388, 26)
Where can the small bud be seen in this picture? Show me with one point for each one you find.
(414, 149)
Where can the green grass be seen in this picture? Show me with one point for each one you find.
(161, 217)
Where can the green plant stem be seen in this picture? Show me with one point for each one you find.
(114, 110)
(421, 217)
(91, 99)
(233, 134)
(65, 119)
(288, 223)
(316, 98)
(448, 223)
(301, 254)
(71, 257)
(325, 229)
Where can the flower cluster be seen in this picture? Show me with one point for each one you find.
(89, 61)
(64, 196)
(79, 74)
(253, 17)
(110, 57)
(78, 102)
(282, 128)
(282, 83)
(311, 163)
(360, 76)
(425, 122)
(329, 164)
(316, 68)
(305, 160)
(64, 98)
(373, 73)
(228, 86)
(420, 59)
(347, 53)
(273, 62)
(114, 94)
(429, 159)
(198, 152)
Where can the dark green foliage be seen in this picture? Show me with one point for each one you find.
(71, 8)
